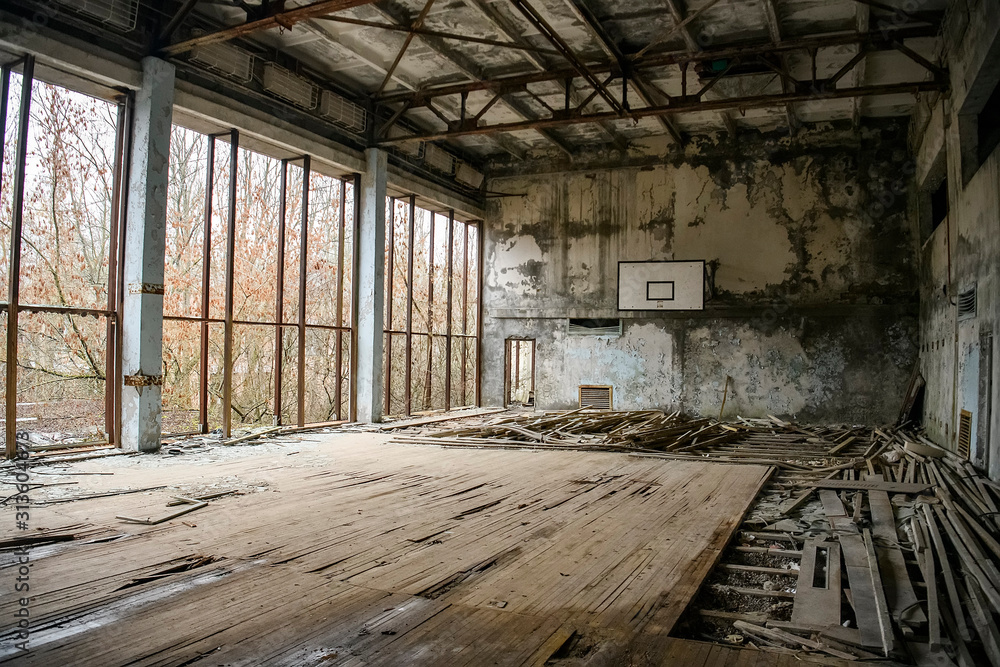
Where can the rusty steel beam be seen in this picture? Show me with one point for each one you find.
(339, 354)
(279, 296)
(539, 23)
(875, 41)
(408, 371)
(643, 87)
(206, 286)
(227, 346)
(285, 19)
(425, 32)
(680, 106)
(16, 226)
(417, 23)
(303, 265)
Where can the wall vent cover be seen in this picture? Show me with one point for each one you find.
(594, 327)
(596, 397)
(967, 304)
(964, 434)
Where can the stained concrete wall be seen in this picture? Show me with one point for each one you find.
(812, 259)
(963, 251)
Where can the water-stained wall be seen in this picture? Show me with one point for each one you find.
(810, 288)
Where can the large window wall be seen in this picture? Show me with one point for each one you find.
(257, 302)
(60, 205)
(431, 310)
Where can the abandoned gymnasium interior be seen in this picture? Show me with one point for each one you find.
(552, 333)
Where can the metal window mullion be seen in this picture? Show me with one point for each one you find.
(387, 327)
(465, 315)
(339, 355)
(303, 247)
(16, 226)
(227, 353)
(428, 381)
(279, 297)
(448, 318)
(110, 427)
(355, 296)
(206, 285)
(409, 306)
(480, 251)
(119, 277)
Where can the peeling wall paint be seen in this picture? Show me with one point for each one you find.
(813, 308)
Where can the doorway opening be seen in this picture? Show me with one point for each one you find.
(519, 378)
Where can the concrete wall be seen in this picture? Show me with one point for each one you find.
(812, 310)
(953, 351)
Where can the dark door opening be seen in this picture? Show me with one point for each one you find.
(519, 375)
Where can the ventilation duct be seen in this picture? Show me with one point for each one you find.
(289, 87)
(225, 59)
(341, 111)
(594, 327)
(119, 14)
(412, 148)
(468, 175)
(439, 159)
(967, 304)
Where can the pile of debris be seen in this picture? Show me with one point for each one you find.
(867, 542)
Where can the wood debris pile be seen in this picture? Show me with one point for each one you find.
(867, 543)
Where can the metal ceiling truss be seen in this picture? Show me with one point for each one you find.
(637, 71)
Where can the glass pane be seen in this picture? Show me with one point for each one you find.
(457, 352)
(181, 375)
(420, 378)
(216, 376)
(220, 222)
(255, 266)
(3, 363)
(293, 241)
(60, 382)
(6, 192)
(345, 376)
(470, 371)
(185, 236)
(67, 194)
(321, 375)
(289, 376)
(472, 317)
(323, 251)
(400, 247)
(439, 313)
(458, 279)
(421, 270)
(348, 267)
(253, 375)
(397, 378)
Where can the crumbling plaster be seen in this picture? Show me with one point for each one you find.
(810, 309)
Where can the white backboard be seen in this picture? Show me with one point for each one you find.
(661, 285)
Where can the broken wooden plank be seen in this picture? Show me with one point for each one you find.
(867, 485)
(817, 595)
(898, 587)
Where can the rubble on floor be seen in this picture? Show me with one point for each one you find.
(801, 575)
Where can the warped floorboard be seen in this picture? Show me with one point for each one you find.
(367, 553)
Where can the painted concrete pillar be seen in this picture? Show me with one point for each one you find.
(145, 233)
(371, 287)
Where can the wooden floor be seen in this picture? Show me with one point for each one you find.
(359, 552)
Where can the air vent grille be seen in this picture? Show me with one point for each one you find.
(597, 397)
(594, 327)
(967, 304)
(225, 59)
(964, 434)
(286, 85)
(342, 111)
(118, 14)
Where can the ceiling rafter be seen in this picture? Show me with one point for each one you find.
(281, 19)
(861, 23)
(774, 29)
(642, 87)
(511, 32)
(679, 13)
(679, 107)
(470, 70)
(873, 41)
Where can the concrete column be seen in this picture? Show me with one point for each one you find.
(145, 233)
(370, 286)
